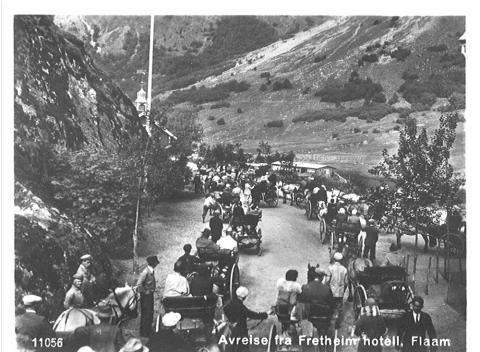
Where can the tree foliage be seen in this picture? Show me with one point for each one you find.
(421, 170)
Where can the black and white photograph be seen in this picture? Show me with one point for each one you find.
(247, 182)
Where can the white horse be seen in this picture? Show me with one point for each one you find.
(122, 301)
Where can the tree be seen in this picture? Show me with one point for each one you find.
(421, 171)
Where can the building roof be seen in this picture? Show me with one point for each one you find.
(141, 96)
(463, 37)
(305, 165)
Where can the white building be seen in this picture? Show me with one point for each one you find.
(141, 102)
(305, 168)
(463, 42)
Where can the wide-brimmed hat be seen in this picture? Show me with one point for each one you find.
(242, 292)
(338, 256)
(134, 345)
(31, 299)
(86, 257)
(320, 271)
(171, 319)
(77, 277)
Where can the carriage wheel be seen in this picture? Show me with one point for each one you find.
(359, 298)
(271, 339)
(234, 280)
(322, 229)
(454, 245)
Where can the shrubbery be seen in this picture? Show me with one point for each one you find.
(221, 121)
(368, 58)
(275, 123)
(263, 87)
(319, 58)
(438, 48)
(356, 130)
(223, 104)
(400, 54)
(453, 59)
(394, 99)
(334, 135)
(265, 75)
(279, 85)
(239, 110)
(211, 118)
(306, 90)
(355, 88)
(375, 130)
(369, 112)
(409, 76)
(379, 98)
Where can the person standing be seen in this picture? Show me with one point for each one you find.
(146, 285)
(371, 239)
(74, 297)
(31, 325)
(414, 327)
(88, 281)
(216, 226)
(370, 326)
(338, 282)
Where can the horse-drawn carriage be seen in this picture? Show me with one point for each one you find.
(344, 239)
(248, 234)
(388, 285)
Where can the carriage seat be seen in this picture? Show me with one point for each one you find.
(191, 306)
(319, 313)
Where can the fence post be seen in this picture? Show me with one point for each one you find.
(415, 264)
(428, 275)
(404, 263)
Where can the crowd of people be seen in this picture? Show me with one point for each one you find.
(232, 198)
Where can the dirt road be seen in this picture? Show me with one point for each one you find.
(290, 241)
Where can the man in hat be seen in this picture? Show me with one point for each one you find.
(175, 283)
(371, 239)
(414, 326)
(30, 325)
(168, 339)
(237, 313)
(146, 286)
(370, 326)
(103, 337)
(338, 281)
(134, 345)
(187, 260)
(74, 297)
(84, 269)
(205, 244)
(216, 226)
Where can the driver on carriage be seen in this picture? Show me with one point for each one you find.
(187, 260)
(205, 244)
(251, 219)
(175, 283)
(237, 214)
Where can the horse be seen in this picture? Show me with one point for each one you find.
(122, 301)
(353, 267)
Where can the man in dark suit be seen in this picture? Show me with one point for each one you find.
(103, 337)
(216, 226)
(237, 314)
(318, 294)
(146, 286)
(30, 325)
(414, 327)
(370, 240)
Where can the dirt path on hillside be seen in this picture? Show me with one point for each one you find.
(290, 242)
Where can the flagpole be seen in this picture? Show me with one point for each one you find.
(150, 68)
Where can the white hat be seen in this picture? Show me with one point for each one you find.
(171, 319)
(341, 211)
(31, 299)
(85, 349)
(316, 189)
(134, 345)
(242, 292)
(354, 212)
(338, 256)
(86, 257)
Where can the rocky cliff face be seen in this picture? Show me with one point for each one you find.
(62, 103)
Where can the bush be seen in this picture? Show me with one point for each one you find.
(375, 130)
(368, 58)
(394, 99)
(409, 76)
(356, 130)
(239, 110)
(355, 88)
(222, 104)
(441, 86)
(396, 128)
(319, 58)
(376, 22)
(457, 101)
(393, 21)
(275, 123)
(438, 48)
(306, 90)
(334, 135)
(221, 121)
(211, 118)
(265, 75)
(403, 113)
(379, 98)
(365, 132)
(400, 54)
(279, 85)
(372, 112)
(453, 59)
(369, 120)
